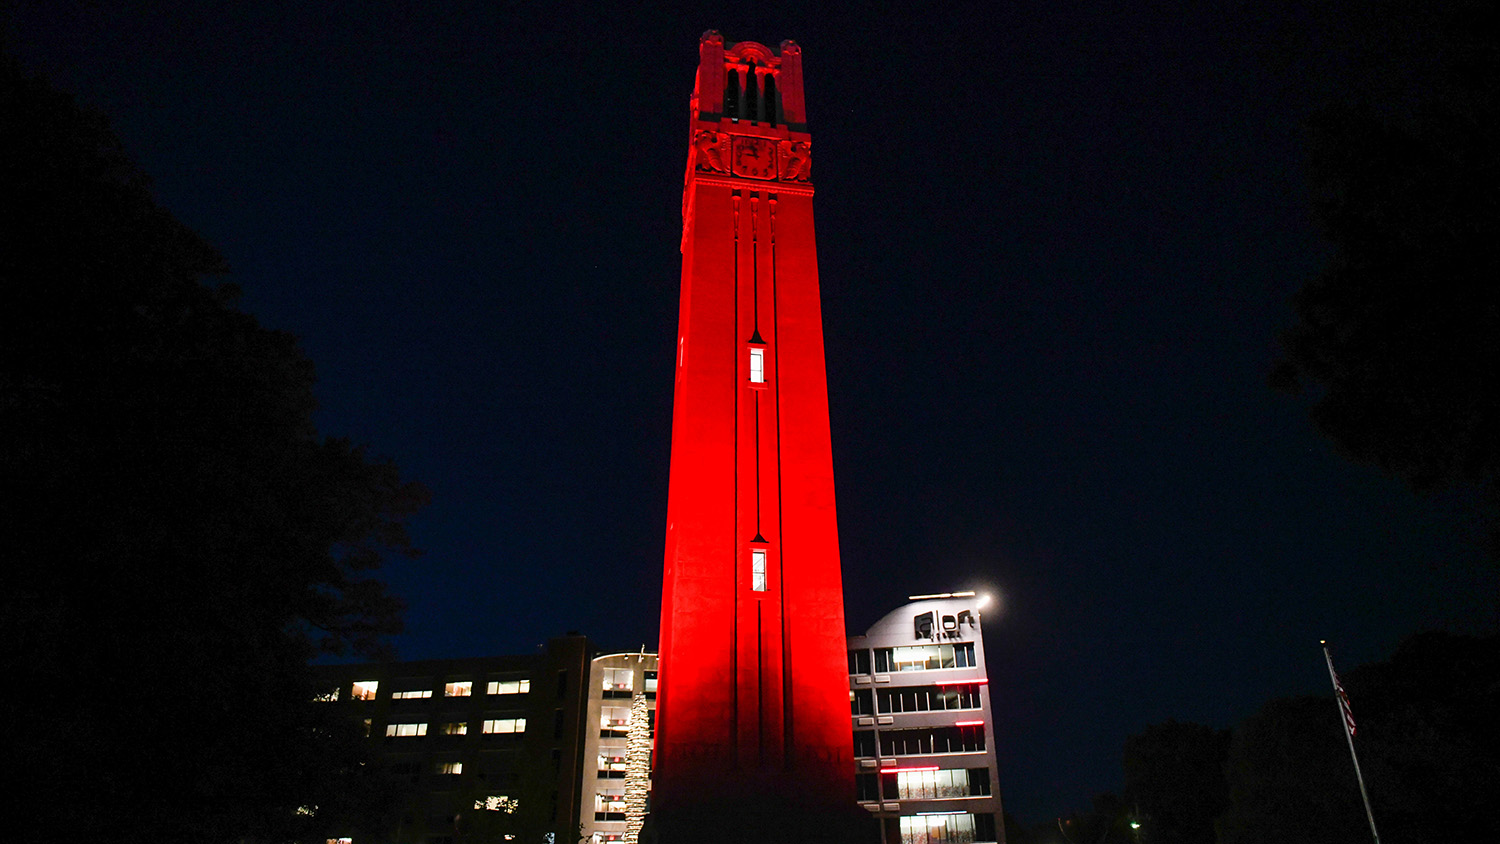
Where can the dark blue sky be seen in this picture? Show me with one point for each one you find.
(1057, 243)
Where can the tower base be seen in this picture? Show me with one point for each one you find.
(756, 810)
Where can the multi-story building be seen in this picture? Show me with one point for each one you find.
(923, 734)
(620, 724)
(490, 742)
(560, 740)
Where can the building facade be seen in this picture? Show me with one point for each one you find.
(924, 741)
(560, 741)
(491, 744)
(752, 707)
(620, 726)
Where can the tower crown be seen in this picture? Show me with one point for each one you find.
(749, 83)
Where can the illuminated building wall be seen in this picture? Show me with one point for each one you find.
(753, 694)
(924, 739)
(919, 710)
(621, 693)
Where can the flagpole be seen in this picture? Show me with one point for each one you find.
(1347, 717)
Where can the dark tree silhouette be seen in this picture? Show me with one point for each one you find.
(1398, 332)
(179, 541)
(1426, 743)
(1290, 777)
(1174, 781)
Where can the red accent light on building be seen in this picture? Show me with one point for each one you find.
(963, 683)
(968, 723)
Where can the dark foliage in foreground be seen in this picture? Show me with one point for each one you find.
(1397, 334)
(179, 541)
(1174, 781)
(1426, 742)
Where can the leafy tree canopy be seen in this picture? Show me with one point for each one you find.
(179, 539)
(1397, 334)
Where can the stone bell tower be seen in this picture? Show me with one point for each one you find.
(754, 694)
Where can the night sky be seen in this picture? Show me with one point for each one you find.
(1057, 244)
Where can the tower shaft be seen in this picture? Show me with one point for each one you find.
(753, 675)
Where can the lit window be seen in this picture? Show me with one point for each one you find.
(463, 689)
(455, 728)
(948, 828)
(614, 718)
(509, 687)
(930, 785)
(450, 768)
(497, 803)
(402, 730)
(341, 841)
(364, 689)
(758, 570)
(413, 694)
(611, 761)
(618, 679)
(757, 366)
(650, 682)
(610, 800)
(504, 725)
(924, 657)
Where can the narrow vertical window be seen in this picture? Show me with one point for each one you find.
(758, 570)
(757, 366)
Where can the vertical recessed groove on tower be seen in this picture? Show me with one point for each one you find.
(758, 490)
(755, 333)
(754, 264)
(788, 745)
(734, 568)
(760, 687)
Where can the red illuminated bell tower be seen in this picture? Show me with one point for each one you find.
(754, 695)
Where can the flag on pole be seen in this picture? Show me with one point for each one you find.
(1338, 689)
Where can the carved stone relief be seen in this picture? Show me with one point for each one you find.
(752, 157)
(713, 152)
(796, 161)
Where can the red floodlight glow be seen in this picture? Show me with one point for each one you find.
(968, 723)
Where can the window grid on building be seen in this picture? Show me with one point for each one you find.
(955, 828)
(927, 698)
(508, 687)
(496, 726)
(927, 785)
(924, 657)
(925, 740)
(618, 679)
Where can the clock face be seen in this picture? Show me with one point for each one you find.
(755, 158)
